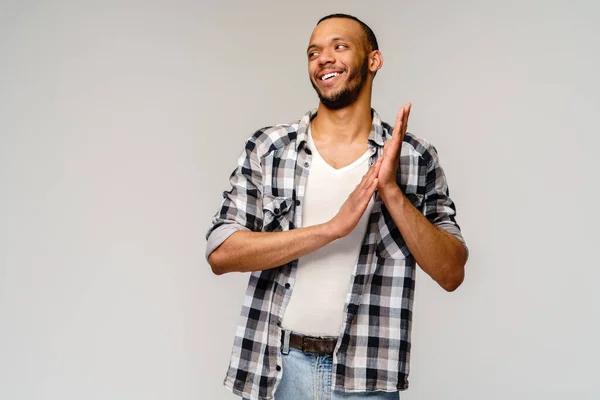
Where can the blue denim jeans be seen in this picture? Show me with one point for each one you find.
(307, 376)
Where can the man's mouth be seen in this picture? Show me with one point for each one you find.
(330, 75)
(330, 78)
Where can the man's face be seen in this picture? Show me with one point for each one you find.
(338, 64)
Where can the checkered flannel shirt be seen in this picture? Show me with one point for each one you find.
(267, 190)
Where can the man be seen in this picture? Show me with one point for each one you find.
(330, 214)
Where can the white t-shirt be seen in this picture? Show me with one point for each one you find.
(323, 276)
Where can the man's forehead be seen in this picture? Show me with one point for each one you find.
(335, 28)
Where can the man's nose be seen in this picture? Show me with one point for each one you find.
(326, 57)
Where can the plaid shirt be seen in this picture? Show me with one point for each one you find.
(267, 189)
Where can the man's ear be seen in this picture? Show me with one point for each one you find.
(375, 61)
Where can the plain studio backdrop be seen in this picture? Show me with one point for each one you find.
(120, 123)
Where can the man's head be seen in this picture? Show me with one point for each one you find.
(343, 58)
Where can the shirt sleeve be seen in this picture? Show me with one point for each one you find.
(241, 208)
(438, 207)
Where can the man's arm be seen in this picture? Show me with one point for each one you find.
(245, 250)
(439, 253)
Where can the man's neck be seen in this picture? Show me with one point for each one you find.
(345, 126)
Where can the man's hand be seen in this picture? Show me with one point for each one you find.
(381, 175)
(391, 153)
(354, 207)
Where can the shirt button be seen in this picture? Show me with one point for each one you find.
(278, 368)
(306, 164)
(297, 202)
(287, 285)
(276, 211)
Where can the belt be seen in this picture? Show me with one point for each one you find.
(311, 344)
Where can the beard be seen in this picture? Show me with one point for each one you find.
(349, 94)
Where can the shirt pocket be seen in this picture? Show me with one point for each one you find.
(277, 213)
(390, 243)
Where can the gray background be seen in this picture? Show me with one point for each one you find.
(121, 121)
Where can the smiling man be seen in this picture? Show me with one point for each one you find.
(330, 216)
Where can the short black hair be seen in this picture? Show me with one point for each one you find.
(370, 36)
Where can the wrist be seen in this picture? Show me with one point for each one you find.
(328, 231)
(391, 194)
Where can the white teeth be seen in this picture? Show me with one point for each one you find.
(330, 75)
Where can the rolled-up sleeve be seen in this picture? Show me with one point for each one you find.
(438, 207)
(241, 208)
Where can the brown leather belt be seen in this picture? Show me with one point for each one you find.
(311, 344)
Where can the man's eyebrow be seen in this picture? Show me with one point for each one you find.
(335, 39)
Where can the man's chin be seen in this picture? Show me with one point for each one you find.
(335, 104)
(337, 100)
(328, 99)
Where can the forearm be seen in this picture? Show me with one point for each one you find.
(246, 251)
(439, 253)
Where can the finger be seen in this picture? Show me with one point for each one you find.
(373, 188)
(363, 179)
(392, 145)
(366, 178)
(398, 123)
(360, 201)
(375, 166)
(371, 174)
(404, 125)
(405, 116)
(365, 194)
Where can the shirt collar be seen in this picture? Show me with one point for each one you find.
(376, 135)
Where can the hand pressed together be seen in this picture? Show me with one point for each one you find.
(381, 176)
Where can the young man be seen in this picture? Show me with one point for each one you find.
(330, 215)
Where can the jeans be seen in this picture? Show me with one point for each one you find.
(307, 376)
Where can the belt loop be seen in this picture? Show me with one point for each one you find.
(285, 349)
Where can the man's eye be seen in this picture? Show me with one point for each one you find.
(339, 46)
(312, 54)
